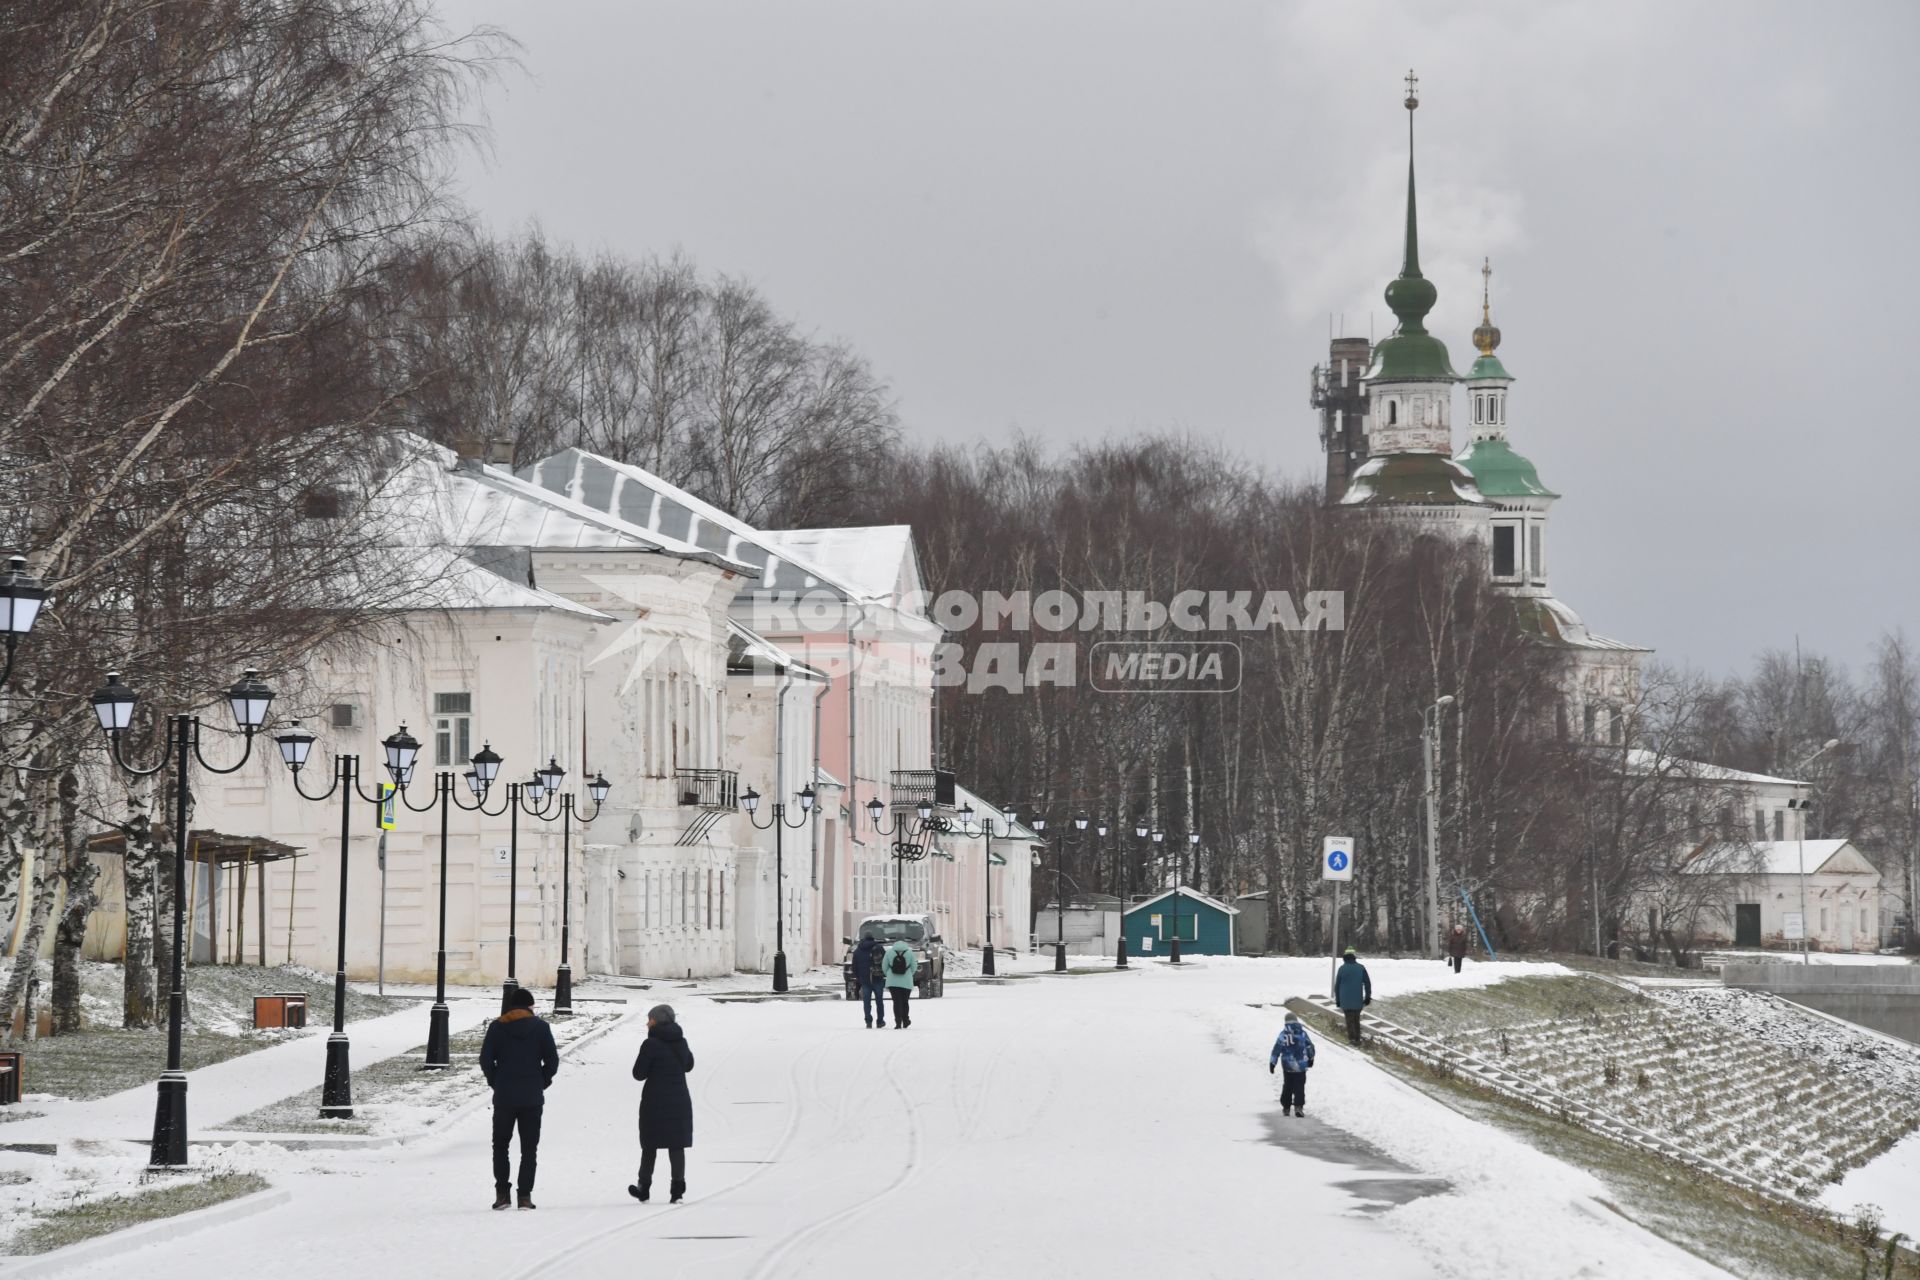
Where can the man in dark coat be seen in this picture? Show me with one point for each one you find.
(518, 1058)
(873, 983)
(1352, 991)
(666, 1108)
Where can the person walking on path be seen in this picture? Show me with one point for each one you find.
(872, 979)
(666, 1108)
(1352, 991)
(1293, 1051)
(518, 1058)
(1457, 946)
(899, 964)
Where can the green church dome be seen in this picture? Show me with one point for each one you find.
(1498, 472)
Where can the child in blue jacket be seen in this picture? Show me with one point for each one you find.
(1293, 1051)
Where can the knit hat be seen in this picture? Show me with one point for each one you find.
(1348, 951)
(660, 1013)
(1293, 1017)
(521, 998)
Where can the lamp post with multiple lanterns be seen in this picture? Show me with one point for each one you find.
(113, 705)
(916, 841)
(777, 819)
(985, 831)
(550, 778)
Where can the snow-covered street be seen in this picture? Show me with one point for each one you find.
(1066, 1126)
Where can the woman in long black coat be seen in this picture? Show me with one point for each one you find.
(666, 1108)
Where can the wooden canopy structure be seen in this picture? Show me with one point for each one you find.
(214, 850)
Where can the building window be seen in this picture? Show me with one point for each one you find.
(452, 729)
(1616, 726)
(1865, 928)
(1536, 560)
(320, 504)
(1503, 551)
(1823, 920)
(1393, 413)
(1592, 717)
(1779, 824)
(1560, 721)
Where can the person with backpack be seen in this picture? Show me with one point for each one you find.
(1352, 991)
(1293, 1052)
(870, 977)
(518, 1058)
(666, 1107)
(899, 965)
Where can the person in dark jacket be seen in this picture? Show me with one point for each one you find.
(518, 1058)
(666, 1108)
(1352, 991)
(872, 982)
(1457, 946)
(1293, 1052)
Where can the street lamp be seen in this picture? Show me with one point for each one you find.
(24, 597)
(113, 705)
(522, 797)
(777, 819)
(545, 783)
(296, 745)
(403, 750)
(1802, 804)
(1430, 752)
(915, 843)
(985, 831)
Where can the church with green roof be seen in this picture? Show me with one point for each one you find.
(1388, 437)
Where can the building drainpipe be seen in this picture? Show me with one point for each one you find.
(814, 780)
(780, 775)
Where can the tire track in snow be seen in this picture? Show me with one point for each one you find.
(555, 1262)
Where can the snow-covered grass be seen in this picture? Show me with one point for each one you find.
(1715, 959)
(1741, 1079)
(397, 1095)
(106, 1058)
(60, 1225)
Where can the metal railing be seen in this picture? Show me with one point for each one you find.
(708, 788)
(911, 786)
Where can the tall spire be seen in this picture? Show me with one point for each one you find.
(1410, 263)
(1411, 295)
(1486, 337)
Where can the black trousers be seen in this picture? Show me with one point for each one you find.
(676, 1164)
(902, 996)
(1293, 1089)
(1456, 963)
(505, 1119)
(1353, 1025)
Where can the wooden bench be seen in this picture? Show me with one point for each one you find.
(13, 1076)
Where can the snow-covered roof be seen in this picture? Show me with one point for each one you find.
(821, 778)
(1780, 858)
(638, 497)
(1642, 760)
(877, 560)
(748, 649)
(1020, 831)
(1556, 622)
(1185, 893)
(446, 580)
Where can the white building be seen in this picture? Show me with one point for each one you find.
(1840, 890)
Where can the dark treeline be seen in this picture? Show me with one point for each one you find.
(1559, 843)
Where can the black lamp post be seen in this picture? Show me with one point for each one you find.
(986, 832)
(23, 597)
(446, 798)
(525, 797)
(336, 1090)
(548, 780)
(113, 704)
(1179, 873)
(778, 821)
(915, 843)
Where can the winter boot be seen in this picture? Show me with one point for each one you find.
(1299, 1113)
(639, 1191)
(1286, 1111)
(526, 1200)
(679, 1190)
(501, 1200)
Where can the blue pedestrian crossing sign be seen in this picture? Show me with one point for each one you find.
(1336, 858)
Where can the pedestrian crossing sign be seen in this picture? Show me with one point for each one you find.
(387, 791)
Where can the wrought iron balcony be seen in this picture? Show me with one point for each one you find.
(911, 786)
(708, 788)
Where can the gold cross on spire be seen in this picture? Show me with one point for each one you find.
(1413, 87)
(1486, 280)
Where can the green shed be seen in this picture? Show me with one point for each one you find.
(1206, 925)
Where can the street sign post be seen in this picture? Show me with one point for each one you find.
(387, 792)
(1336, 864)
(1796, 926)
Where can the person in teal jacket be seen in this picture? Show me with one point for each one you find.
(898, 964)
(1352, 991)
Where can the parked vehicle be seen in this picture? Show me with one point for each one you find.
(930, 953)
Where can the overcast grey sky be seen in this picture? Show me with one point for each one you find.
(1079, 218)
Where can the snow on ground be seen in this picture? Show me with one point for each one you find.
(1068, 1126)
(1829, 1044)
(1714, 959)
(1892, 1182)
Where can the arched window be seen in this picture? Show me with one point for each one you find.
(1393, 412)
